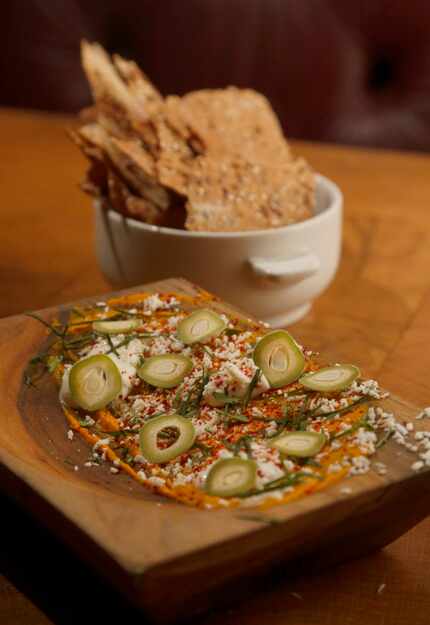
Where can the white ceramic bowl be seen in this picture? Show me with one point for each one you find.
(273, 274)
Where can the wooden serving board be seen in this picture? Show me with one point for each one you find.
(169, 559)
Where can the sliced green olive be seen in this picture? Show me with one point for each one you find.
(94, 382)
(230, 477)
(165, 371)
(279, 357)
(299, 444)
(328, 379)
(119, 326)
(200, 326)
(149, 438)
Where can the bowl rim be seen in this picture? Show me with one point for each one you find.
(335, 203)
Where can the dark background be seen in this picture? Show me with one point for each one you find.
(347, 71)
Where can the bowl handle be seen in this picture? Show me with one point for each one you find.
(290, 270)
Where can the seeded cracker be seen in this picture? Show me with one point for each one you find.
(212, 160)
(241, 195)
(235, 122)
(130, 204)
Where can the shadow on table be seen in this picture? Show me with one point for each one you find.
(64, 589)
(52, 578)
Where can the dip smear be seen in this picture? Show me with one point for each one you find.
(211, 160)
(208, 423)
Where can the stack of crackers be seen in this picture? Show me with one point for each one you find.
(211, 160)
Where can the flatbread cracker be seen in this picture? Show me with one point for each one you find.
(124, 106)
(131, 205)
(220, 154)
(240, 195)
(234, 122)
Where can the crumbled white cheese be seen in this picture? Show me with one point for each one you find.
(142, 407)
(233, 379)
(272, 428)
(231, 348)
(269, 463)
(127, 372)
(418, 465)
(154, 302)
(367, 387)
(225, 453)
(157, 481)
(380, 468)
(426, 457)
(131, 352)
(167, 344)
(88, 420)
(70, 435)
(207, 417)
(100, 443)
(365, 440)
(65, 394)
(360, 465)
(173, 321)
(323, 405)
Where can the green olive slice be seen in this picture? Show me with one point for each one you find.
(149, 438)
(119, 326)
(279, 357)
(334, 378)
(299, 444)
(94, 382)
(165, 371)
(230, 477)
(200, 326)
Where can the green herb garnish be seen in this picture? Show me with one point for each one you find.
(111, 345)
(237, 418)
(339, 411)
(384, 439)
(231, 331)
(288, 479)
(54, 330)
(242, 444)
(361, 423)
(251, 386)
(189, 405)
(226, 398)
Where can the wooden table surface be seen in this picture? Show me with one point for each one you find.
(374, 314)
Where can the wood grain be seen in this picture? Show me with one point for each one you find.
(193, 556)
(375, 314)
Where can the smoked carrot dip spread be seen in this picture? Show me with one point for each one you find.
(209, 409)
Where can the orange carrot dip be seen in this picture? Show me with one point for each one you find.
(227, 419)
